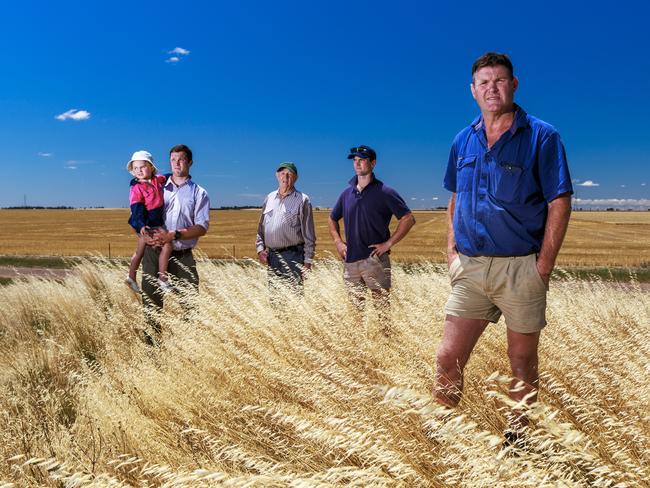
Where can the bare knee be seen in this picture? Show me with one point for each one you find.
(523, 365)
(522, 352)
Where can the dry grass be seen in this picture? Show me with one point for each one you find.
(594, 238)
(311, 395)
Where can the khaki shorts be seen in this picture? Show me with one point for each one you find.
(485, 287)
(373, 272)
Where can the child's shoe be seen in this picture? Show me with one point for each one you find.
(133, 284)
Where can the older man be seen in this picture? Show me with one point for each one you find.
(187, 217)
(286, 239)
(366, 207)
(508, 214)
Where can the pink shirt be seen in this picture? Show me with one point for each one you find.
(149, 193)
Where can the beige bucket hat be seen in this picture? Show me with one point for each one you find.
(141, 156)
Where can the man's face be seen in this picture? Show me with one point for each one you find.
(286, 178)
(363, 166)
(180, 164)
(142, 170)
(494, 89)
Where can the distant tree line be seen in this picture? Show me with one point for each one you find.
(30, 207)
(236, 207)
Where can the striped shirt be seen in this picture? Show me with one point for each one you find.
(185, 205)
(286, 222)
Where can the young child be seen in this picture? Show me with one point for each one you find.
(146, 200)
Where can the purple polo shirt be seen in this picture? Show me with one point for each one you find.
(366, 216)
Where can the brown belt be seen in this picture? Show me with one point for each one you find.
(182, 252)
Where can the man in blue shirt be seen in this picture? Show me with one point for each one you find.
(508, 214)
(367, 206)
(187, 218)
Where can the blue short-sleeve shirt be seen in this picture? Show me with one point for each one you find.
(502, 193)
(366, 216)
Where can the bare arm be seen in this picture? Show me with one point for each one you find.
(403, 227)
(557, 221)
(308, 232)
(260, 246)
(335, 232)
(452, 251)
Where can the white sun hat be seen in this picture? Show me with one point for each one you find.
(141, 156)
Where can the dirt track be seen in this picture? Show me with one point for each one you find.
(17, 272)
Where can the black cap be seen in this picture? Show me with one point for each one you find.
(362, 152)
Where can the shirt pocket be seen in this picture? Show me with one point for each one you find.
(290, 216)
(465, 167)
(268, 214)
(508, 178)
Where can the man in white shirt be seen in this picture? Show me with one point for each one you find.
(187, 217)
(286, 239)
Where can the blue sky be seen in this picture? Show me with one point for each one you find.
(265, 82)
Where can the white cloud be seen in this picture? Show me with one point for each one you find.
(250, 195)
(179, 50)
(75, 163)
(173, 59)
(622, 186)
(642, 184)
(434, 198)
(588, 183)
(612, 202)
(414, 198)
(74, 114)
(45, 154)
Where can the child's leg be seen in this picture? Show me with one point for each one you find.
(136, 259)
(163, 261)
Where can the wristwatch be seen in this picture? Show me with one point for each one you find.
(177, 235)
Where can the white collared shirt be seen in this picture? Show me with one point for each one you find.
(286, 222)
(185, 205)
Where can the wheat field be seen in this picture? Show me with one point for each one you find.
(309, 393)
(593, 238)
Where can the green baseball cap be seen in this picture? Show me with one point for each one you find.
(288, 165)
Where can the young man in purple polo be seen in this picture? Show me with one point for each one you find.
(508, 213)
(367, 206)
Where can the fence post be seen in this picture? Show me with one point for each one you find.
(109, 250)
(234, 256)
